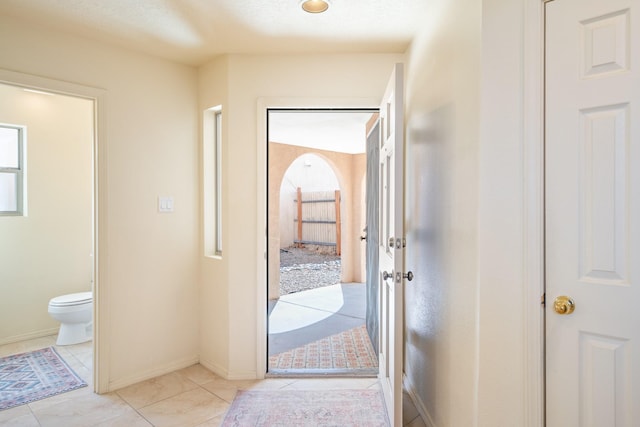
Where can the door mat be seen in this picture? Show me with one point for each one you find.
(27, 377)
(350, 349)
(300, 408)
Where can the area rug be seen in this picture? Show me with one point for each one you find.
(350, 349)
(35, 375)
(299, 408)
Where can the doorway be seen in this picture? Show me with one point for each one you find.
(316, 198)
(94, 354)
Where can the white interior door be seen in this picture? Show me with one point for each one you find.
(391, 244)
(593, 212)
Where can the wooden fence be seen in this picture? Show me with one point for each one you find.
(318, 219)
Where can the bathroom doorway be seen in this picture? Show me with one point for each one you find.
(316, 257)
(48, 244)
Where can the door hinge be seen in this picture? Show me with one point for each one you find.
(543, 299)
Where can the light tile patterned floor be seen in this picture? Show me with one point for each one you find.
(190, 397)
(350, 349)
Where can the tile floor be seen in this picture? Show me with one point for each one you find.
(193, 396)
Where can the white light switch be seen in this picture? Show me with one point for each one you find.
(165, 204)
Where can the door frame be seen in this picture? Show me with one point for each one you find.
(533, 210)
(263, 107)
(97, 96)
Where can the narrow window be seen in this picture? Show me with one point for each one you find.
(212, 186)
(12, 165)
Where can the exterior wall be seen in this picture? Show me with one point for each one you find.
(148, 277)
(48, 252)
(350, 174)
(317, 176)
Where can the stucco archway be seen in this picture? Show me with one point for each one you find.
(349, 170)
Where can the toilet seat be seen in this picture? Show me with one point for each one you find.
(72, 299)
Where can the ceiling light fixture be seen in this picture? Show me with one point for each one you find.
(315, 6)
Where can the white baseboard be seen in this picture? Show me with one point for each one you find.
(226, 374)
(418, 403)
(152, 373)
(29, 336)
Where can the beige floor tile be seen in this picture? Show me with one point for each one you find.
(213, 422)
(156, 389)
(24, 346)
(28, 420)
(417, 422)
(409, 411)
(84, 410)
(332, 383)
(198, 374)
(190, 408)
(61, 398)
(15, 412)
(129, 419)
(227, 389)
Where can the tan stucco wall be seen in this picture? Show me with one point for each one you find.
(350, 170)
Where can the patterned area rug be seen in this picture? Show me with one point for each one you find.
(31, 376)
(321, 408)
(350, 349)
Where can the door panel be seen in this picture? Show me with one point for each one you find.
(391, 249)
(592, 194)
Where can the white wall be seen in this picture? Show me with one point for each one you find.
(149, 288)
(469, 327)
(441, 308)
(48, 252)
(345, 78)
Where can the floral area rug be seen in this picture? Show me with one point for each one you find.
(299, 408)
(350, 349)
(35, 375)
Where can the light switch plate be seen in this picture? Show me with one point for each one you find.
(165, 204)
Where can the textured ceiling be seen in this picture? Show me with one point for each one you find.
(194, 31)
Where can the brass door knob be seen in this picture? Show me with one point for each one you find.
(564, 305)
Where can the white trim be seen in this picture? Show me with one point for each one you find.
(418, 403)
(533, 158)
(98, 96)
(263, 105)
(153, 373)
(30, 336)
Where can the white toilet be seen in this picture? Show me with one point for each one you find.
(74, 312)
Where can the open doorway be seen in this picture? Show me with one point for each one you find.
(47, 220)
(317, 291)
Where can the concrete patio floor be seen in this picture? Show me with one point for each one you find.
(301, 318)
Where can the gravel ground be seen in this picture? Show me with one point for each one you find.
(301, 269)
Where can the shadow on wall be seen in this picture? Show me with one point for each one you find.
(428, 183)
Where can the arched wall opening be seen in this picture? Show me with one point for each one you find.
(349, 171)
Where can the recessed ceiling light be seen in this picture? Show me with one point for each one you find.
(315, 6)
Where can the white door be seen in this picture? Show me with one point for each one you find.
(391, 244)
(593, 212)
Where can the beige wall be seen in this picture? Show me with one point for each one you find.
(48, 252)
(464, 352)
(441, 309)
(346, 80)
(350, 170)
(148, 271)
(466, 314)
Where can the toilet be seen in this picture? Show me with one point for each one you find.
(74, 312)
